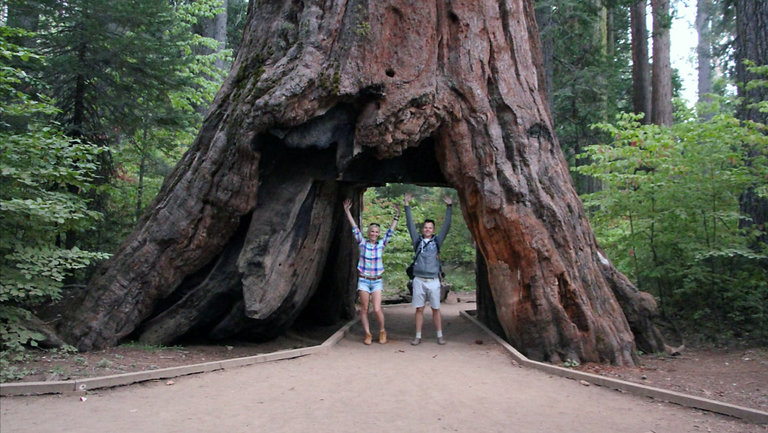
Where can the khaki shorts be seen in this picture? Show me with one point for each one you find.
(426, 289)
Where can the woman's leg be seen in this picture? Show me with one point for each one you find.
(364, 300)
(379, 316)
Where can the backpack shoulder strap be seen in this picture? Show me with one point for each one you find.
(417, 243)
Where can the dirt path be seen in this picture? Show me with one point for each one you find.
(462, 386)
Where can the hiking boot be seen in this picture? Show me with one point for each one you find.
(440, 340)
(415, 341)
(382, 336)
(368, 338)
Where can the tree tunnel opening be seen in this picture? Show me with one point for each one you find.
(457, 254)
(462, 276)
(463, 264)
(366, 179)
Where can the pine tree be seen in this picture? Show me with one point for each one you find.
(126, 75)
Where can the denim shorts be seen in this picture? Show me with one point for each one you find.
(369, 286)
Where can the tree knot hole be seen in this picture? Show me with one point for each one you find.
(539, 130)
(374, 91)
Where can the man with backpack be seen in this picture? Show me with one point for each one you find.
(426, 267)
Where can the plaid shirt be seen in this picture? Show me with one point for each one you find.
(370, 263)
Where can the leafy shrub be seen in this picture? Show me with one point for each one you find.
(668, 215)
(42, 174)
(725, 294)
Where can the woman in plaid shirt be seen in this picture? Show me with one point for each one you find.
(371, 267)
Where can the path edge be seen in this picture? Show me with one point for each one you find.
(83, 385)
(744, 413)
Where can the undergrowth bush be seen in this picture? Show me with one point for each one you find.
(668, 216)
(42, 177)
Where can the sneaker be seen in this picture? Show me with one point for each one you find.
(415, 341)
(440, 340)
(368, 338)
(382, 336)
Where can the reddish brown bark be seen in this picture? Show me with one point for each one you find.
(339, 96)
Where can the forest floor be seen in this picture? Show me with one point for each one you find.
(736, 374)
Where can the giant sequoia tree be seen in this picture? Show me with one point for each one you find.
(325, 99)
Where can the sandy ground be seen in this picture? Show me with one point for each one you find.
(468, 385)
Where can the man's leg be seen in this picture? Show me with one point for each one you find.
(434, 303)
(418, 302)
(419, 323)
(437, 318)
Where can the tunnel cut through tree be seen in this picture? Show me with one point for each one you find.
(325, 99)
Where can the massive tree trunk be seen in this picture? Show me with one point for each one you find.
(326, 98)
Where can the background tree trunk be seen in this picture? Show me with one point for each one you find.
(752, 44)
(216, 28)
(641, 69)
(661, 78)
(23, 15)
(325, 99)
(704, 47)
